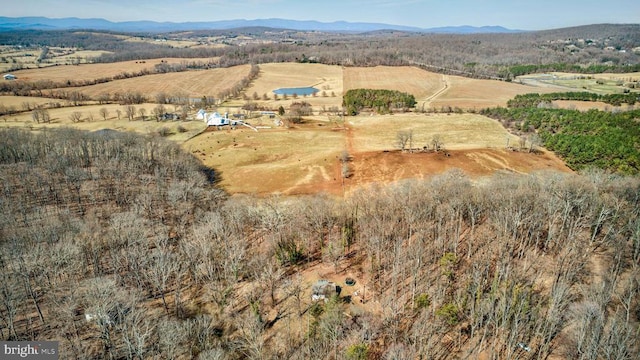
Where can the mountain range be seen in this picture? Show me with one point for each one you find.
(44, 23)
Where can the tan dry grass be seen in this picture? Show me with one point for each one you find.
(82, 56)
(195, 83)
(412, 80)
(605, 76)
(84, 72)
(467, 93)
(267, 161)
(327, 78)
(456, 131)
(61, 118)
(17, 101)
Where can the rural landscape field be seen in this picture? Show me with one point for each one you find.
(269, 193)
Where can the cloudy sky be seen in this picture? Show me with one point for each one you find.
(514, 14)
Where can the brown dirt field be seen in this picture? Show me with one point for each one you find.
(412, 80)
(467, 93)
(82, 72)
(190, 83)
(387, 167)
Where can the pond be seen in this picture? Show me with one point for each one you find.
(298, 91)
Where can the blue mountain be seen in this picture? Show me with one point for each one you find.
(44, 23)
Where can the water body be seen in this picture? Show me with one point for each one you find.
(298, 91)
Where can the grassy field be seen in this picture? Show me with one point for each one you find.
(599, 83)
(305, 158)
(178, 131)
(12, 57)
(456, 131)
(84, 72)
(271, 161)
(188, 83)
(467, 93)
(412, 80)
(326, 78)
(18, 101)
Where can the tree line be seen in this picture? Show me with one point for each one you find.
(601, 139)
(535, 99)
(379, 100)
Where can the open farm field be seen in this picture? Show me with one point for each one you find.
(175, 130)
(12, 57)
(467, 93)
(289, 161)
(412, 80)
(326, 78)
(456, 131)
(162, 41)
(305, 159)
(71, 57)
(606, 83)
(87, 72)
(195, 83)
(18, 102)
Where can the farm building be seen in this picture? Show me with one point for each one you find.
(10, 77)
(324, 290)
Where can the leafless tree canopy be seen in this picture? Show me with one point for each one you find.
(122, 246)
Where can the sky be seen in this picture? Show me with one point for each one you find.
(512, 14)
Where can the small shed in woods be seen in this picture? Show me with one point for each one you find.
(324, 290)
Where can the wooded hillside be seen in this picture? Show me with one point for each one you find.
(121, 246)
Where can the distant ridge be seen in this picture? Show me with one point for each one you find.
(44, 23)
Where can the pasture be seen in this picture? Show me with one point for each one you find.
(326, 78)
(193, 84)
(91, 119)
(466, 93)
(89, 72)
(412, 80)
(304, 158)
(608, 83)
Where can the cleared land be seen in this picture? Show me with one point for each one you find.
(272, 161)
(609, 83)
(188, 83)
(412, 80)
(326, 78)
(305, 158)
(466, 93)
(456, 131)
(178, 131)
(84, 72)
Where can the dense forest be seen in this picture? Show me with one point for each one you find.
(122, 246)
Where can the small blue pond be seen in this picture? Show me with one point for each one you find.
(298, 91)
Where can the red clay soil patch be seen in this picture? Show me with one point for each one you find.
(388, 167)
